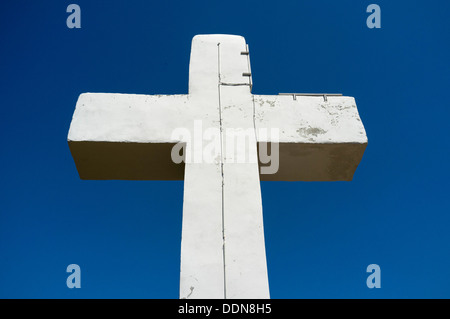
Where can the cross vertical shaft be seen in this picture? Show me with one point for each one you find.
(223, 242)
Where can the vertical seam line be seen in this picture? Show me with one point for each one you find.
(221, 170)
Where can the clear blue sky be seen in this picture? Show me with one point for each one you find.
(320, 237)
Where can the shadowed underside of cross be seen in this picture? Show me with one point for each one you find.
(127, 136)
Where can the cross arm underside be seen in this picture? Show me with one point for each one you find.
(318, 139)
(126, 136)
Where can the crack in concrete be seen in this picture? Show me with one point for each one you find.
(221, 170)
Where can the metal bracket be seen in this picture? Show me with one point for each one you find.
(249, 73)
(324, 95)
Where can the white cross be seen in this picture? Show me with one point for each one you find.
(127, 136)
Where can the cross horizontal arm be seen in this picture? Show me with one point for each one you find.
(318, 140)
(127, 136)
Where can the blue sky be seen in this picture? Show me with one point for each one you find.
(320, 237)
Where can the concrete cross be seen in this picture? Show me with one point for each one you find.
(131, 137)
